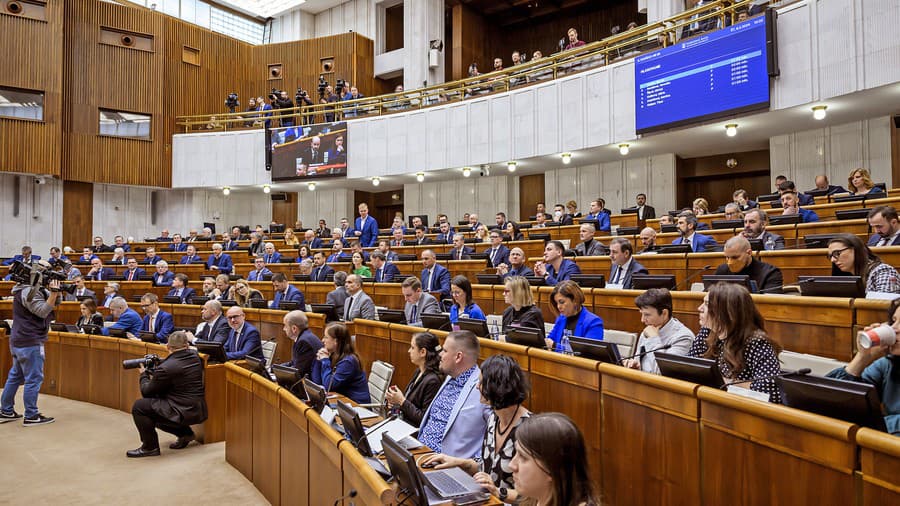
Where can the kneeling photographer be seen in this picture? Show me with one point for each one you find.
(173, 396)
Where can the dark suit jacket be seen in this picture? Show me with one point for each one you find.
(177, 247)
(303, 352)
(387, 273)
(649, 213)
(877, 237)
(102, 275)
(176, 388)
(634, 268)
(293, 295)
(230, 246)
(138, 272)
(425, 240)
(187, 294)
(455, 253)
(224, 263)
(164, 279)
(521, 271)
(248, 343)
(500, 257)
(163, 327)
(217, 332)
(316, 243)
(189, 260)
(767, 276)
(419, 395)
(319, 273)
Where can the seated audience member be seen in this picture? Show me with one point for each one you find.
(417, 301)
(397, 238)
(879, 365)
(337, 251)
(398, 225)
(554, 268)
(384, 246)
(385, 272)
(660, 329)
(823, 184)
(319, 271)
(190, 256)
(243, 339)
(540, 221)
(163, 276)
(229, 244)
(516, 266)
(86, 256)
(164, 236)
(623, 263)
(455, 422)
(126, 318)
(435, 277)
(700, 206)
(460, 251)
(791, 205)
(118, 257)
(99, 247)
(214, 326)
(521, 311)
(219, 261)
(573, 41)
(110, 292)
(733, 212)
(599, 212)
(850, 257)
(306, 344)
(339, 295)
(739, 260)
(423, 386)
(551, 465)
(512, 232)
(445, 235)
(666, 219)
(338, 234)
(98, 272)
(421, 239)
(256, 247)
(648, 241)
(89, 314)
(285, 292)
(463, 306)
(884, 221)
(359, 304)
(260, 271)
(80, 290)
(743, 201)
(560, 216)
(497, 253)
(223, 285)
(236, 234)
(177, 244)
(500, 219)
(504, 387)
(209, 288)
(181, 290)
(574, 319)
(755, 223)
(733, 333)
(291, 240)
(192, 236)
(588, 246)
(788, 186)
(338, 368)
(473, 221)
(358, 267)
(156, 320)
(243, 294)
(303, 254)
(150, 256)
(859, 182)
(120, 243)
(270, 255)
(687, 227)
(644, 212)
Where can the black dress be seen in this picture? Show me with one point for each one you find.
(419, 394)
(94, 319)
(528, 316)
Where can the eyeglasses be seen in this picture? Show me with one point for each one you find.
(234, 317)
(834, 255)
(145, 306)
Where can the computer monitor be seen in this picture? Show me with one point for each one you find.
(817, 240)
(215, 350)
(435, 321)
(329, 310)
(785, 219)
(832, 286)
(276, 228)
(227, 302)
(538, 236)
(316, 396)
(353, 429)
(199, 300)
(721, 224)
(524, 336)
(536, 281)
(303, 277)
(148, 337)
(392, 315)
(257, 365)
(628, 231)
(596, 350)
(117, 332)
(850, 401)
(477, 327)
(259, 303)
(62, 327)
(288, 305)
(589, 280)
(211, 226)
(756, 244)
(817, 193)
(588, 221)
(489, 279)
(647, 281)
(704, 371)
(852, 214)
(289, 378)
(172, 299)
(95, 330)
(443, 256)
(741, 279)
(867, 196)
(668, 228)
(82, 298)
(404, 470)
(675, 248)
(769, 197)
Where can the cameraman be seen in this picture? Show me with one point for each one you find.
(283, 101)
(32, 313)
(302, 100)
(328, 97)
(173, 398)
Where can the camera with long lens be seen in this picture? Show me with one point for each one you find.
(339, 87)
(148, 361)
(301, 94)
(39, 274)
(322, 85)
(231, 101)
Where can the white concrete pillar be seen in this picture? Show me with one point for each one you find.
(423, 21)
(658, 10)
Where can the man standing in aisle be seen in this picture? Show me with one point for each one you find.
(366, 228)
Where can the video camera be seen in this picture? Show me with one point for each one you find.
(301, 94)
(274, 94)
(322, 85)
(148, 361)
(40, 274)
(339, 87)
(231, 101)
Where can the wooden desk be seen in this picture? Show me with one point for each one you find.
(360, 476)
(239, 419)
(879, 460)
(294, 465)
(266, 438)
(104, 371)
(74, 377)
(373, 342)
(326, 462)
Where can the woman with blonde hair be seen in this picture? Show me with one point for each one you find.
(522, 312)
(859, 182)
(243, 294)
(701, 206)
(289, 238)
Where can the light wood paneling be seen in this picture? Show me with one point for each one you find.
(78, 201)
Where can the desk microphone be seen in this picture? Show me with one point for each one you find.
(380, 424)
(349, 495)
(801, 372)
(692, 277)
(644, 352)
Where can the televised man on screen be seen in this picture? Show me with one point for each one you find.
(312, 155)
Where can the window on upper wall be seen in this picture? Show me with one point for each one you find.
(125, 124)
(21, 104)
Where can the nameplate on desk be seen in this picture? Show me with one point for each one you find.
(614, 286)
(746, 392)
(397, 429)
(328, 415)
(881, 295)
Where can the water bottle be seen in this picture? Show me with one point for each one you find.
(495, 331)
(770, 243)
(564, 345)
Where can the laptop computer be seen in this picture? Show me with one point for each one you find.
(435, 321)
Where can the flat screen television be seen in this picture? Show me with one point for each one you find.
(596, 350)
(308, 152)
(704, 371)
(850, 401)
(526, 337)
(850, 287)
(647, 281)
(741, 279)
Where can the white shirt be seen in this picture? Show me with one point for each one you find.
(673, 332)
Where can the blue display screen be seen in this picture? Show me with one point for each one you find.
(711, 75)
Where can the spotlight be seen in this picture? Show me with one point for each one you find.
(420, 176)
(376, 181)
(467, 171)
(819, 112)
(511, 166)
(566, 158)
(731, 129)
(226, 191)
(311, 186)
(267, 188)
(623, 149)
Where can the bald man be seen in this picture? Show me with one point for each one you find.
(739, 261)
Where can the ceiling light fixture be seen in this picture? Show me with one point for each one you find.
(566, 158)
(731, 129)
(267, 188)
(819, 112)
(311, 186)
(376, 181)
(420, 177)
(623, 149)
(467, 171)
(226, 190)
(511, 165)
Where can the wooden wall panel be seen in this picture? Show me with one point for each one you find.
(78, 220)
(33, 61)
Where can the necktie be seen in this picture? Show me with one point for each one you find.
(152, 322)
(493, 250)
(413, 313)
(378, 276)
(618, 275)
(237, 341)
(349, 308)
(460, 253)
(428, 283)
(99, 274)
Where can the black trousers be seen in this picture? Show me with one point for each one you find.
(147, 421)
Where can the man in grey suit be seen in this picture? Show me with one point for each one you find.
(359, 304)
(623, 264)
(589, 247)
(417, 301)
(339, 295)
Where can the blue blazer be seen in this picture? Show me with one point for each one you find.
(20, 258)
(138, 272)
(387, 273)
(466, 251)
(369, 236)
(589, 325)
(187, 294)
(319, 273)
(602, 220)
(700, 242)
(634, 268)
(177, 247)
(223, 263)
(445, 238)
(806, 200)
(188, 260)
(129, 321)
(877, 237)
(522, 271)
(103, 275)
(440, 280)
(316, 243)
(465, 428)
(293, 295)
(88, 260)
(151, 261)
(334, 257)
(390, 256)
(255, 275)
(230, 246)
(164, 325)
(472, 310)
(566, 269)
(248, 344)
(274, 258)
(347, 378)
(808, 216)
(164, 280)
(500, 257)
(125, 247)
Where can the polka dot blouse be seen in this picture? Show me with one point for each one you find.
(760, 360)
